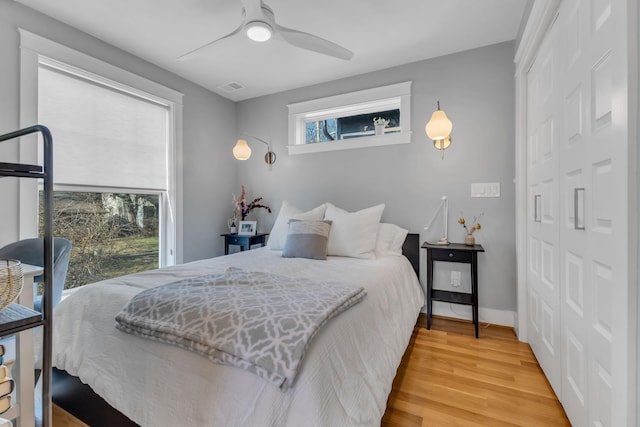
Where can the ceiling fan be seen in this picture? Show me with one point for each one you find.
(259, 24)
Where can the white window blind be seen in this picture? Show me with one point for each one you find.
(103, 136)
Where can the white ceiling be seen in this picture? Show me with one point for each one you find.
(381, 33)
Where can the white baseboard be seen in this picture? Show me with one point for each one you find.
(486, 315)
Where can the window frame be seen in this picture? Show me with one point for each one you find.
(34, 50)
(360, 102)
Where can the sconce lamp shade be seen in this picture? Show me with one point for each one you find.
(241, 150)
(439, 127)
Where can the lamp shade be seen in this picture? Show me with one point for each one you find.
(439, 126)
(241, 150)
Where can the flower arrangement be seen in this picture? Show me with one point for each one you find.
(476, 224)
(379, 121)
(242, 208)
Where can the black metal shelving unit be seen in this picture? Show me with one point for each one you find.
(16, 318)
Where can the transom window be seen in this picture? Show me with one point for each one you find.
(348, 121)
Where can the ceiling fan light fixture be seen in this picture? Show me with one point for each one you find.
(258, 31)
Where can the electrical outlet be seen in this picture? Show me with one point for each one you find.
(455, 278)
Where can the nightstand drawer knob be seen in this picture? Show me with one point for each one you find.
(450, 254)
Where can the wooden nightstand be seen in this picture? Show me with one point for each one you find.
(245, 242)
(453, 252)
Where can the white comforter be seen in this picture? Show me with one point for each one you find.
(346, 374)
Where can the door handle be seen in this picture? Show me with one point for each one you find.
(578, 207)
(536, 208)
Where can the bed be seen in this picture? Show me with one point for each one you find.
(345, 377)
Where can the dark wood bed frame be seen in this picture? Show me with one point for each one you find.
(82, 402)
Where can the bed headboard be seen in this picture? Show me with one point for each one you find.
(411, 249)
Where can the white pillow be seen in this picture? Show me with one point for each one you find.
(390, 240)
(278, 235)
(353, 234)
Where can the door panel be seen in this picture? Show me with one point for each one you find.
(581, 302)
(543, 135)
(589, 166)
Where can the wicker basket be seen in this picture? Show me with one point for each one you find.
(11, 281)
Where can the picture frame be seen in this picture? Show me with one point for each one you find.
(247, 228)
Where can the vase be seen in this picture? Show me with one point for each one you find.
(380, 129)
(233, 230)
(469, 240)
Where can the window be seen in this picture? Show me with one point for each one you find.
(115, 144)
(347, 121)
(113, 234)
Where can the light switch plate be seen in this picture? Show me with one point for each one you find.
(485, 189)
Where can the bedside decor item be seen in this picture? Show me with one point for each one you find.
(243, 208)
(444, 205)
(469, 239)
(380, 124)
(11, 281)
(242, 151)
(232, 222)
(247, 228)
(439, 129)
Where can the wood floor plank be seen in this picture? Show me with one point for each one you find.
(450, 378)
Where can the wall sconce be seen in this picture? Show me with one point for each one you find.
(439, 129)
(242, 151)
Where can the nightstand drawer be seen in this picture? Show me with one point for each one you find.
(451, 255)
(236, 240)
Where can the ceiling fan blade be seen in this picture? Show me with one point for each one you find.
(198, 51)
(314, 43)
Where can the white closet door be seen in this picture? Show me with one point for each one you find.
(576, 300)
(593, 230)
(581, 304)
(542, 272)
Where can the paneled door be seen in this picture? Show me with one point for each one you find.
(581, 304)
(543, 131)
(593, 229)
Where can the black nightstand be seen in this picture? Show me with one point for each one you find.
(245, 242)
(453, 252)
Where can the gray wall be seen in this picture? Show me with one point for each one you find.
(209, 130)
(476, 89)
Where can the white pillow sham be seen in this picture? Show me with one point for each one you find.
(390, 240)
(278, 235)
(353, 234)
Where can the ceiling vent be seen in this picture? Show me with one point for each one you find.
(231, 87)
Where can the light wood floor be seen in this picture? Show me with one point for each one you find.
(449, 378)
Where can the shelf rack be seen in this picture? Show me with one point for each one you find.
(17, 318)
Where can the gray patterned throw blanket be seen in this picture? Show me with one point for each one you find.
(261, 322)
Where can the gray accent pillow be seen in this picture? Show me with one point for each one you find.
(307, 239)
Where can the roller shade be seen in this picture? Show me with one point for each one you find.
(103, 136)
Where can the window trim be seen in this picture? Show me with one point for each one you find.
(397, 95)
(35, 49)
